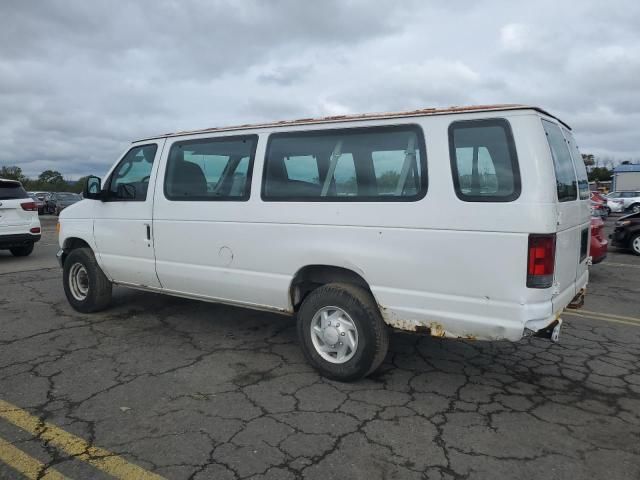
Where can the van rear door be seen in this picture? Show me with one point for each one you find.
(572, 236)
(584, 212)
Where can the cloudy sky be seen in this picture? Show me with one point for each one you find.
(81, 79)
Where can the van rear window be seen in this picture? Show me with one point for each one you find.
(11, 190)
(566, 182)
(358, 164)
(484, 161)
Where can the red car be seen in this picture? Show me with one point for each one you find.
(598, 197)
(599, 243)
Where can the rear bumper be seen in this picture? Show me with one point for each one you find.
(17, 240)
(598, 250)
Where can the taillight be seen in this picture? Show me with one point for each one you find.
(35, 230)
(29, 206)
(541, 260)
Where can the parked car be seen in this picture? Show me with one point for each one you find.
(335, 221)
(599, 205)
(598, 197)
(19, 223)
(599, 243)
(598, 209)
(61, 200)
(39, 203)
(615, 204)
(627, 233)
(624, 202)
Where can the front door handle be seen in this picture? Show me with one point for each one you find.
(148, 231)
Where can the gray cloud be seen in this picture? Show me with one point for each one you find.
(79, 80)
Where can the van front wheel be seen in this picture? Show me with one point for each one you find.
(342, 332)
(85, 285)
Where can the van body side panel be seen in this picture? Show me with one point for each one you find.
(457, 268)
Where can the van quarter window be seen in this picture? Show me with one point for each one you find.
(210, 169)
(565, 174)
(130, 179)
(484, 161)
(581, 170)
(358, 164)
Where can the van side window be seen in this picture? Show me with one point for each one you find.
(578, 163)
(484, 161)
(130, 179)
(210, 169)
(356, 164)
(566, 182)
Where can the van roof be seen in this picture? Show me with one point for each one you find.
(365, 116)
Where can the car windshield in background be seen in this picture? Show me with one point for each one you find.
(68, 196)
(11, 190)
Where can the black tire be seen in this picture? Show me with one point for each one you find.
(23, 251)
(635, 208)
(98, 295)
(373, 334)
(634, 244)
(608, 211)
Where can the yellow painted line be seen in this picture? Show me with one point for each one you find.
(604, 319)
(610, 315)
(75, 446)
(26, 464)
(620, 265)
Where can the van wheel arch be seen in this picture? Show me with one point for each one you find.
(310, 277)
(71, 244)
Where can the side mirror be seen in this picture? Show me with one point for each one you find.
(92, 188)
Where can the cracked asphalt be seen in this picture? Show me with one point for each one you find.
(192, 390)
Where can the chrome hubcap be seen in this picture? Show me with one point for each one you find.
(334, 335)
(78, 281)
(636, 244)
(636, 209)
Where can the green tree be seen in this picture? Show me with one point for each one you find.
(601, 174)
(588, 159)
(12, 172)
(78, 186)
(51, 177)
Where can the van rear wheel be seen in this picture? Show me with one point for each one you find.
(342, 332)
(85, 285)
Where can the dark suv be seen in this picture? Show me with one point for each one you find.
(627, 233)
(61, 200)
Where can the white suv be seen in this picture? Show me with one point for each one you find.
(19, 223)
(623, 201)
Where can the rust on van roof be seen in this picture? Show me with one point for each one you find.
(365, 116)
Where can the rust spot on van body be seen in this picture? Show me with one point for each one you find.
(434, 329)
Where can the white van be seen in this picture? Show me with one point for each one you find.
(463, 223)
